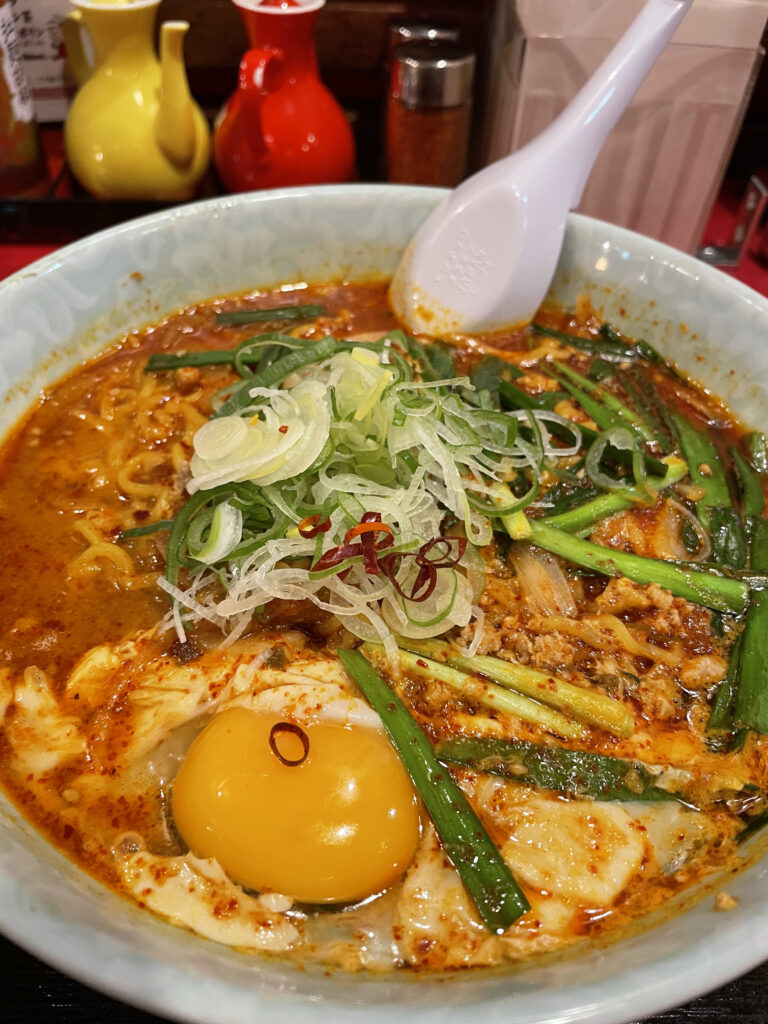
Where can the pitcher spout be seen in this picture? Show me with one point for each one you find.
(175, 127)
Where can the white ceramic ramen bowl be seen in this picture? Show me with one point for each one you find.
(70, 304)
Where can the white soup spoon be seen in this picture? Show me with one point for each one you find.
(485, 257)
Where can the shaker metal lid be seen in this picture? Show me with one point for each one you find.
(432, 74)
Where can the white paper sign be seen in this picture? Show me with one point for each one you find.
(38, 30)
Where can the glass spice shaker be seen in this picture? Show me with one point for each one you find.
(428, 114)
(23, 170)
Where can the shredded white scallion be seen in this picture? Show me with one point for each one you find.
(349, 436)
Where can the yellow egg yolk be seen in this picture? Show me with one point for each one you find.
(339, 826)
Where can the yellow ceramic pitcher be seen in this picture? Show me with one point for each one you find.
(133, 131)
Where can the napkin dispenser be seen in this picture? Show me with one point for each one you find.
(662, 166)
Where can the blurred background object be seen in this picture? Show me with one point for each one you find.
(684, 184)
(412, 30)
(281, 125)
(23, 170)
(353, 42)
(133, 130)
(661, 168)
(38, 28)
(428, 113)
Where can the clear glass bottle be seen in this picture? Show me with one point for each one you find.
(23, 170)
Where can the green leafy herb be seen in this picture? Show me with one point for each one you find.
(589, 706)
(579, 773)
(253, 316)
(710, 589)
(488, 880)
(601, 346)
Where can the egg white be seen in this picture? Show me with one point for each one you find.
(308, 703)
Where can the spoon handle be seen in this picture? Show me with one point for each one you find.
(593, 112)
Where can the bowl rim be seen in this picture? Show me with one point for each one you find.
(645, 990)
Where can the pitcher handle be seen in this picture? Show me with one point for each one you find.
(71, 31)
(260, 71)
(260, 74)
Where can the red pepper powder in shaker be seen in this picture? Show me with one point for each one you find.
(428, 114)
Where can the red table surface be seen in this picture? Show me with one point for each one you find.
(15, 257)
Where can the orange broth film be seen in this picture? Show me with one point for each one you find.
(330, 643)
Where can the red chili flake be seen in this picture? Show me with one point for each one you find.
(283, 429)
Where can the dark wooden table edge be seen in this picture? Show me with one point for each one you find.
(35, 993)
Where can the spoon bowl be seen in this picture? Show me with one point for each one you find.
(484, 259)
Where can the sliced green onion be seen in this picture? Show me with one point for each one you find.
(225, 531)
(240, 397)
(605, 347)
(253, 350)
(488, 880)
(440, 602)
(589, 706)
(176, 555)
(619, 438)
(488, 694)
(491, 508)
(625, 415)
(253, 316)
(577, 772)
(143, 531)
(513, 397)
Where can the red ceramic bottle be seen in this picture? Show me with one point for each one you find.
(281, 126)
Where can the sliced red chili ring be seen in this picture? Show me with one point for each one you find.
(334, 556)
(294, 730)
(312, 526)
(362, 541)
(448, 560)
(426, 580)
(366, 528)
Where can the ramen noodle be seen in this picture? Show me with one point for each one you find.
(326, 642)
